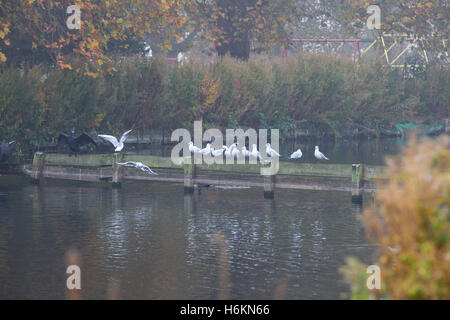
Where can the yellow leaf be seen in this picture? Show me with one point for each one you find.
(2, 57)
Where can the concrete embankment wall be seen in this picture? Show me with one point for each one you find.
(356, 178)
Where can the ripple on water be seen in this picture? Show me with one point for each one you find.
(157, 243)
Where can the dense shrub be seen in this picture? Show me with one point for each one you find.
(21, 110)
(320, 92)
(410, 224)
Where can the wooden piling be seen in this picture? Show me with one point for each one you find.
(116, 171)
(269, 186)
(357, 183)
(189, 176)
(38, 167)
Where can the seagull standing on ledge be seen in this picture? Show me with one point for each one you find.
(138, 165)
(192, 148)
(230, 152)
(255, 153)
(245, 152)
(206, 151)
(271, 152)
(117, 144)
(319, 155)
(235, 152)
(297, 154)
(218, 152)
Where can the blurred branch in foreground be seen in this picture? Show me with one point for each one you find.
(410, 223)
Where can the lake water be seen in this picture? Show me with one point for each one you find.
(150, 241)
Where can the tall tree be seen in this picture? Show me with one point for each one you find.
(237, 24)
(37, 29)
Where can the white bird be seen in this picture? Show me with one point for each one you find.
(319, 155)
(297, 154)
(207, 150)
(117, 144)
(245, 152)
(235, 152)
(255, 153)
(271, 152)
(229, 150)
(218, 152)
(138, 165)
(192, 148)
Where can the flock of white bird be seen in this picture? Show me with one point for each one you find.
(235, 152)
(232, 151)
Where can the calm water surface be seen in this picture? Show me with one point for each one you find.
(153, 242)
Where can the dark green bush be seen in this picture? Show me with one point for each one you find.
(324, 93)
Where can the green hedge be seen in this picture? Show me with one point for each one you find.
(320, 92)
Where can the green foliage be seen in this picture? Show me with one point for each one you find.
(320, 92)
(354, 273)
(410, 225)
(70, 100)
(21, 115)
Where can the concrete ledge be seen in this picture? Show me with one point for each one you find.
(101, 168)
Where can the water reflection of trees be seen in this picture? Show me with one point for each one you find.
(152, 243)
(273, 252)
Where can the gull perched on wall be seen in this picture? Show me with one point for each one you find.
(192, 148)
(206, 151)
(271, 152)
(255, 153)
(232, 151)
(297, 154)
(319, 155)
(218, 152)
(245, 152)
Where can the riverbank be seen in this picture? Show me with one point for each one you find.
(159, 137)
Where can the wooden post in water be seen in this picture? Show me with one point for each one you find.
(38, 167)
(269, 186)
(357, 182)
(116, 171)
(189, 175)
